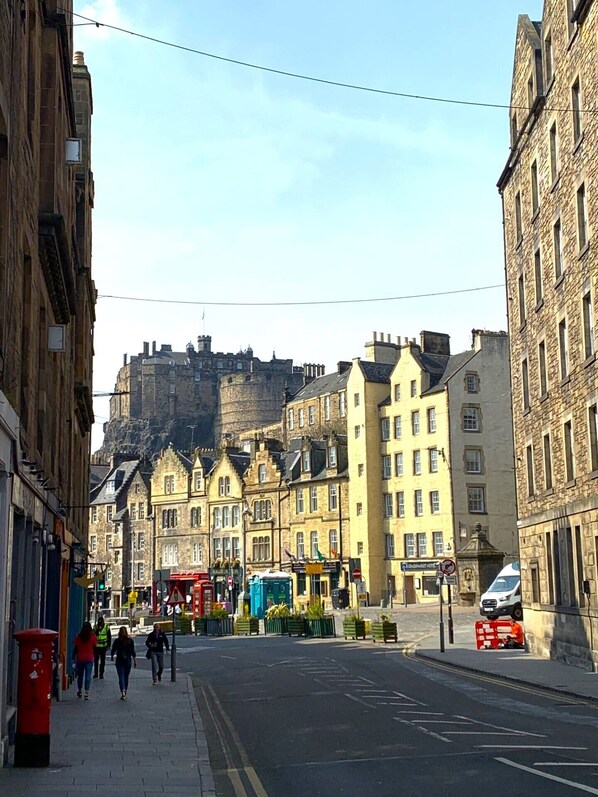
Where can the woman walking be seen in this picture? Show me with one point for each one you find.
(124, 649)
(83, 655)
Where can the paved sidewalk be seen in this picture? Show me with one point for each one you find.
(516, 665)
(151, 743)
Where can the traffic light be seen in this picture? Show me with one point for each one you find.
(102, 583)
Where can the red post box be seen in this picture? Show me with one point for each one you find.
(32, 740)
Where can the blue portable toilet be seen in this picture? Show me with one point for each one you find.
(269, 589)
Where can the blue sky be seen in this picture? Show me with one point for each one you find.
(216, 182)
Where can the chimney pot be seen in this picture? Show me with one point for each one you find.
(79, 59)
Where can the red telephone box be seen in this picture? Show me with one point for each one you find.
(203, 597)
(32, 740)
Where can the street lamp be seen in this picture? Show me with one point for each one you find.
(244, 515)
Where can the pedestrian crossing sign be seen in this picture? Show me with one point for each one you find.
(175, 596)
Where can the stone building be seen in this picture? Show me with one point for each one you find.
(47, 300)
(430, 455)
(194, 397)
(549, 190)
(319, 407)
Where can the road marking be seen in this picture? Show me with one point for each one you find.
(477, 733)
(430, 713)
(546, 775)
(233, 658)
(357, 700)
(445, 722)
(427, 731)
(531, 746)
(563, 764)
(501, 727)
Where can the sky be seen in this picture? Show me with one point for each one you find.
(216, 183)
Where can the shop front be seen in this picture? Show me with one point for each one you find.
(420, 581)
(314, 580)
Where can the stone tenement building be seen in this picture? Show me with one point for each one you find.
(194, 397)
(47, 300)
(549, 190)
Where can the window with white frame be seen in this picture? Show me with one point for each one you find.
(419, 503)
(399, 464)
(94, 514)
(332, 456)
(236, 548)
(387, 505)
(217, 545)
(413, 388)
(432, 420)
(197, 553)
(422, 544)
(385, 428)
(311, 414)
(398, 423)
(438, 543)
(299, 501)
(409, 544)
(236, 515)
(313, 499)
(140, 568)
(217, 517)
(417, 462)
(471, 383)
(397, 392)
(476, 499)
(434, 502)
(401, 503)
(262, 509)
(473, 460)
(225, 517)
(301, 416)
(170, 554)
(313, 539)
(471, 419)
(226, 547)
(342, 404)
(93, 543)
(415, 422)
(133, 512)
(291, 419)
(333, 543)
(141, 541)
(332, 496)
(141, 510)
(197, 481)
(433, 460)
(108, 542)
(261, 473)
(390, 545)
(386, 466)
(300, 545)
(360, 469)
(221, 485)
(359, 508)
(306, 461)
(169, 484)
(326, 408)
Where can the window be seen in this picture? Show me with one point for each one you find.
(225, 517)
(473, 460)
(398, 427)
(434, 502)
(314, 544)
(332, 496)
(542, 368)
(577, 110)
(422, 544)
(390, 545)
(261, 473)
(409, 542)
(313, 499)
(93, 543)
(471, 383)
(108, 542)
(531, 94)
(141, 541)
(582, 217)
(538, 277)
(94, 514)
(534, 186)
(385, 428)
(169, 484)
(170, 553)
(221, 485)
(217, 517)
(197, 553)
(419, 503)
(332, 456)
(433, 460)
(227, 485)
(521, 296)
(386, 467)
(116, 556)
(547, 462)
(300, 543)
(140, 571)
(217, 548)
(471, 419)
(415, 422)
(432, 420)
(401, 504)
(476, 499)
(326, 408)
(548, 59)
(417, 463)
(554, 162)
(399, 467)
(301, 415)
(360, 469)
(563, 349)
(438, 543)
(535, 579)
(356, 399)
(141, 510)
(518, 225)
(299, 503)
(529, 462)
(311, 414)
(306, 461)
(260, 547)
(291, 419)
(569, 455)
(359, 508)
(525, 384)
(133, 512)
(397, 392)
(557, 242)
(413, 388)
(357, 431)
(333, 543)
(593, 435)
(588, 325)
(342, 404)
(262, 510)
(387, 505)
(236, 516)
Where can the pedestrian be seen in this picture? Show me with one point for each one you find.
(155, 643)
(516, 639)
(102, 632)
(83, 656)
(124, 649)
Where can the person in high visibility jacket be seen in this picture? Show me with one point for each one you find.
(516, 639)
(104, 638)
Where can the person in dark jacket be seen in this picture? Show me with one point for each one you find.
(104, 637)
(156, 642)
(123, 648)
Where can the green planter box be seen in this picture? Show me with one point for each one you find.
(384, 632)
(354, 629)
(276, 625)
(296, 626)
(322, 627)
(200, 625)
(247, 626)
(219, 627)
(183, 625)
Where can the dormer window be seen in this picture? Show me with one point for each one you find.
(198, 481)
(111, 487)
(306, 461)
(332, 457)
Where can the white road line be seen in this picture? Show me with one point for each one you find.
(427, 713)
(445, 722)
(365, 680)
(233, 658)
(357, 700)
(530, 746)
(572, 783)
(563, 764)
(477, 733)
(427, 731)
(500, 727)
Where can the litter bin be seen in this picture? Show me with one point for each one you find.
(340, 598)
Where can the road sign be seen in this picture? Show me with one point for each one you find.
(413, 567)
(230, 581)
(448, 567)
(175, 597)
(356, 574)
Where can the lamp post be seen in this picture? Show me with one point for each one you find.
(244, 514)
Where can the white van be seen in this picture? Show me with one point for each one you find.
(504, 595)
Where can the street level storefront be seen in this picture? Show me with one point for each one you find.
(314, 579)
(165, 580)
(419, 581)
(228, 581)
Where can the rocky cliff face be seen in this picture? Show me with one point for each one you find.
(146, 438)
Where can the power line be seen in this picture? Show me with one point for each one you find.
(301, 304)
(312, 78)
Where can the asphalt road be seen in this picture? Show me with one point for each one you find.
(292, 717)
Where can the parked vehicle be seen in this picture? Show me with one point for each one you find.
(504, 595)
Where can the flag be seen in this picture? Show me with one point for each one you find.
(321, 557)
(288, 553)
(333, 553)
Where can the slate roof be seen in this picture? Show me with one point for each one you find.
(329, 383)
(453, 364)
(166, 357)
(123, 475)
(240, 462)
(376, 372)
